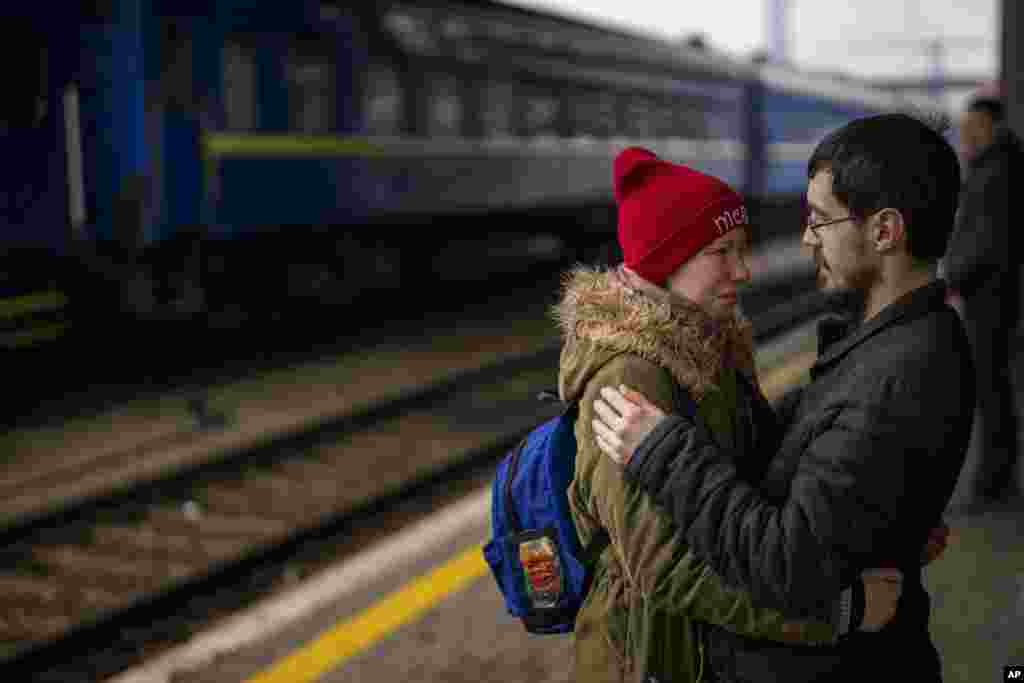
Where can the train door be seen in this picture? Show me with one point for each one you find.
(38, 198)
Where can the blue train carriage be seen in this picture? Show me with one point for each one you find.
(117, 117)
(186, 157)
(90, 203)
(449, 113)
(797, 110)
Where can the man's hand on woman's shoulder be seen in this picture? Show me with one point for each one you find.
(624, 419)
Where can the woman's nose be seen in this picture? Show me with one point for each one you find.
(742, 271)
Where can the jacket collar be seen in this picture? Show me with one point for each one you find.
(1004, 142)
(618, 312)
(838, 336)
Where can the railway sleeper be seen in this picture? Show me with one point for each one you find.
(19, 625)
(292, 510)
(278, 482)
(179, 547)
(48, 596)
(75, 562)
(208, 524)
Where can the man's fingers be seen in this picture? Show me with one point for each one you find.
(883, 574)
(607, 414)
(633, 395)
(606, 447)
(639, 399)
(616, 400)
(603, 431)
(610, 450)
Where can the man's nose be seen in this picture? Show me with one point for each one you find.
(809, 238)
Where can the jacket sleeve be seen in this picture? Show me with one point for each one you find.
(848, 490)
(652, 553)
(979, 247)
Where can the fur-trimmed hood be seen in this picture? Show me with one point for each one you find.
(604, 313)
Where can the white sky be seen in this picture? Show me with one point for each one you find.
(869, 38)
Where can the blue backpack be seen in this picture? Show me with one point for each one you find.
(535, 553)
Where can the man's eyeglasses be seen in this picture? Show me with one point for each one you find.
(813, 227)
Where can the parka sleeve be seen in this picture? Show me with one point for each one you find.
(847, 495)
(651, 551)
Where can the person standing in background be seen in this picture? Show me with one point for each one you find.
(981, 268)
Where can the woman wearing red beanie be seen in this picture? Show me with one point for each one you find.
(665, 322)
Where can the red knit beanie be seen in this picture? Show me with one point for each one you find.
(668, 212)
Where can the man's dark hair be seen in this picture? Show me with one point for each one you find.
(992, 106)
(895, 161)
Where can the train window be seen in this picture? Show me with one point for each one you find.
(640, 117)
(383, 100)
(593, 114)
(444, 106)
(239, 87)
(541, 112)
(664, 119)
(412, 29)
(505, 32)
(455, 29)
(723, 123)
(498, 111)
(691, 119)
(310, 79)
(176, 65)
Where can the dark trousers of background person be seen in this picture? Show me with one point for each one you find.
(990, 317)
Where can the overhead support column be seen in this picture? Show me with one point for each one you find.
(1012, 63)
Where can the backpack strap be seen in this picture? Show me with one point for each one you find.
(601, 539)
(547, 395)
(510, 503)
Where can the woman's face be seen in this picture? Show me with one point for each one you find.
(711, 278)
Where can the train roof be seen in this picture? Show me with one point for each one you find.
(782, 77)
(548, 29)
(843, 89)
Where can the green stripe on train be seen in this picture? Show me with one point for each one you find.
(24, 338)
(222, 144)
(32, 303)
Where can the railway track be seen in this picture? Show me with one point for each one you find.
(84, 586)
(75, 577)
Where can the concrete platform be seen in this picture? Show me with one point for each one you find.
(423, 607)
(977, 618)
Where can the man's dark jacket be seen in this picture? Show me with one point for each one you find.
(982, 263)
(982, 260)
(864, 470)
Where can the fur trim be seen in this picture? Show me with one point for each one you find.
(623, 314)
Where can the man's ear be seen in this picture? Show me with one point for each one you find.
(888, 230)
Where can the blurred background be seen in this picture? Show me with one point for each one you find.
(944, 47)
(206, 172)
(265, 264)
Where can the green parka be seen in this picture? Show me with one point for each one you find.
(641, 619)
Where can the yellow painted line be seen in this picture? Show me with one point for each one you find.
(223, 144)
(408, 603)
(354, 635)
(32, 303)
